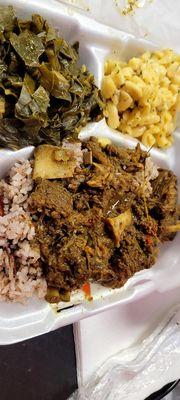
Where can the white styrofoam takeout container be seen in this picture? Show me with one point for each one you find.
(19, 322)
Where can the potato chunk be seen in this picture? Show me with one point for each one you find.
(118, 224)
(52, 162)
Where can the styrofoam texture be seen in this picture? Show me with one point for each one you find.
(19, 322)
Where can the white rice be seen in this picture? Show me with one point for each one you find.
(20, 273)
(144, 178)
(74, 147)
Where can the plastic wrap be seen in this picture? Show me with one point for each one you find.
(138, 371)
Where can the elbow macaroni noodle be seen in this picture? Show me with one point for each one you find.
(143, 96)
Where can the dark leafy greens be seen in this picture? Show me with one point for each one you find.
(28, 46)
(7, 19)
(44, 94)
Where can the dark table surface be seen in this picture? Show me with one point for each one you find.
(43, 368)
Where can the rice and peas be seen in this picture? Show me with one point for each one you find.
(20, 272)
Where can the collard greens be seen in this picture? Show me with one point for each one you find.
(7, 19)
(28, 46)
(44, 94)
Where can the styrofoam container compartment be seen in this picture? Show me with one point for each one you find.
(19, 322)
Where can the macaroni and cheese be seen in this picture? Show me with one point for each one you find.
(142, 96)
